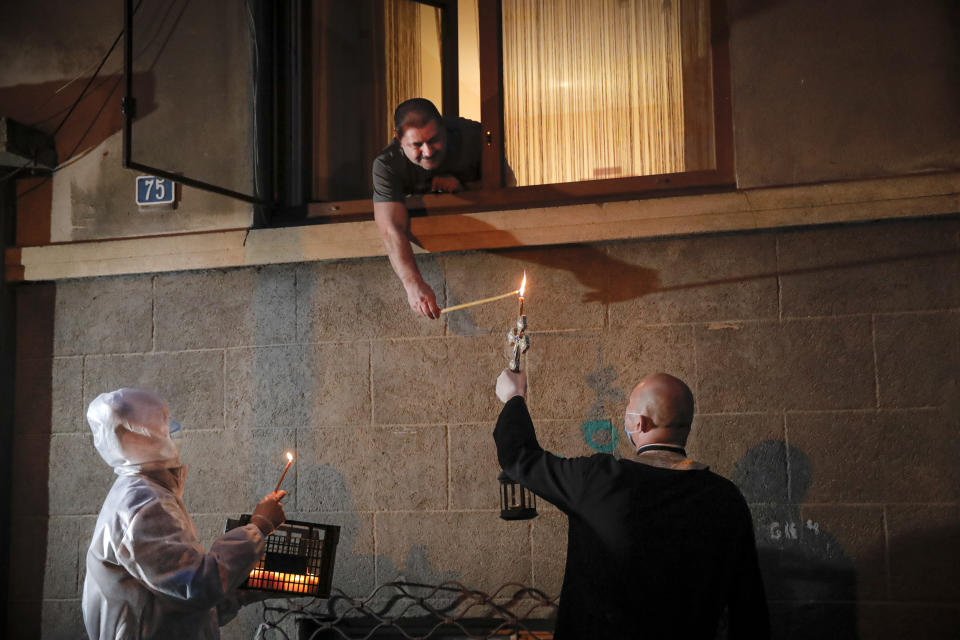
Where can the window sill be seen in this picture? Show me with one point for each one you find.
(548, 195)
(854, 201)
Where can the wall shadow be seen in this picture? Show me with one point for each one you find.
(609, 279)
(810, 580)
(30, 465)
(44, 106)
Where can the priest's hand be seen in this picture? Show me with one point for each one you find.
(511, 384)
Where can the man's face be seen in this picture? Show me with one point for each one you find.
(425, 146)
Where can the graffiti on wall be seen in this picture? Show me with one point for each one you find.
(598, 432)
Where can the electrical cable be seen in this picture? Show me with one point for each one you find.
(50, 99)
(62, 110)
(70, 158)
(86, 87)
(70, 111)
(254, 82)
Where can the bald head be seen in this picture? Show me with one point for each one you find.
(667, 404)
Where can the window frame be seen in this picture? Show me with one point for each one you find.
(493, 195)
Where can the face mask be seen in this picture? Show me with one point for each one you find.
(176, 430)
(628, 431)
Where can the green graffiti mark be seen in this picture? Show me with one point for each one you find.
(598, 432)
(600, 435)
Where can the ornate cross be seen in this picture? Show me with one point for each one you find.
(519, 341)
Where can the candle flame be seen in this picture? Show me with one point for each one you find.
(289, 457)
(523, 284)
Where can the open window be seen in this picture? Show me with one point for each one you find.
(606, 89)
(367, 56)
(579, 99)
(286, 104)
(190, 72)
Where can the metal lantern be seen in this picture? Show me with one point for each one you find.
(516, 501)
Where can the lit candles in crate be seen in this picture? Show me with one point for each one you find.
(273, 580)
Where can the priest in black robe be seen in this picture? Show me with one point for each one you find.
(658, 545)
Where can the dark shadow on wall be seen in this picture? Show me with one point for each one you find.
(610, 280)
(925, 553)
(359, 574)
(96, 117)
(8, 345)
(810, 581)
(30, 468)
(607, 279)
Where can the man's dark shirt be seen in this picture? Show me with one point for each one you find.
(395, 177)
(651, 552)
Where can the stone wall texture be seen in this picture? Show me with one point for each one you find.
(825, 364)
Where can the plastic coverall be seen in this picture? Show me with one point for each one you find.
(147, 575)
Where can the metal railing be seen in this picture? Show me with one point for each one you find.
(414, 611)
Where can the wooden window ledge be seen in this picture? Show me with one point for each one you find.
(853, 201)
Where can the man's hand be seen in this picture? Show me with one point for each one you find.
(511, 384)
(422, 299)
(445, 184)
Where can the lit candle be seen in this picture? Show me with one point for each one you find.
(517, 337)
(515, 292)
(289, 462)
(476, 302)
(298, 583)
(523, 287)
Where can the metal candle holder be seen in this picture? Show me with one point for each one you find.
(516, 501)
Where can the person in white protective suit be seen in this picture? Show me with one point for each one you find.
(147, 574)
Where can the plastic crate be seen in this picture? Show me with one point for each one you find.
(298, 558)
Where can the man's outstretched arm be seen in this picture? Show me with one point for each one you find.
(393, 221)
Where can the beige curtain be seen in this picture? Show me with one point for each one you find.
(402, 52)
(412, 49)
(594, 88)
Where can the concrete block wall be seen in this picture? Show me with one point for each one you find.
(825, 365)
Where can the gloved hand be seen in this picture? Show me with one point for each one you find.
(511, 384)
(269, 513)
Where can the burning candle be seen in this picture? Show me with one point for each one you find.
(523, 287)
(289, 462)
(515, 292)
(476, 302)
(517, 337)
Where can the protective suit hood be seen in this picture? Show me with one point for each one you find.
(131, 431)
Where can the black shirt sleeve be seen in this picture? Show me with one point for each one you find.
(560, 481)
